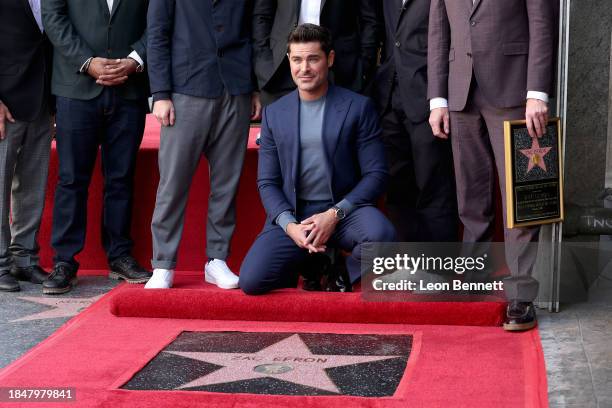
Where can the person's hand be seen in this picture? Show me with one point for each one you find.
(439, 120)
(299, 233)
(5, 115)
(324, 225)
(117, 72)
(163, 110)
(255, 106)
(99, 66)
(536, 116)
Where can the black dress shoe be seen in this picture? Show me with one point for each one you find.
(128, 269)
(520, 316)
(32, 273)
(62, 279)
(312, 270)
(8, 283)
(338, 279)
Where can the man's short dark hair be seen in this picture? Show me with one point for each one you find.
(306, 33)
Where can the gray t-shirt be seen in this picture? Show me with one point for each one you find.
(313, 183)
(313, 178)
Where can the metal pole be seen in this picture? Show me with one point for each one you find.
(562, 68)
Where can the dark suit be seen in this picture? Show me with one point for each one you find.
(421, 197)
(484, 58)
(25, 62)
(355, 28)
(91, 116)
(506, 47)
(355, 159)
(198, 49)
(25, 72)
(82, 29)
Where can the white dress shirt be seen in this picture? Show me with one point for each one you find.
(35, 6)
(435, 103)
(133, 55)
(310, 12)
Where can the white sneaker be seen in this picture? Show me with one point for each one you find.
(161, 279)
(218, 273)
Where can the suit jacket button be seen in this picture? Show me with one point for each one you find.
(397, 44)
(219, 53)
(469, 54)
(472, 23)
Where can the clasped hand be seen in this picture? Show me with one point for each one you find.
(314, 232)
(111, 72)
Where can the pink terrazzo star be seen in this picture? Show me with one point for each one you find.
(536, 155)
(288, 360)
(61, 307)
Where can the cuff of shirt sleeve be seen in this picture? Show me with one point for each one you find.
(435, 103)
(161, 96)
(285, 218)
(346, 206)
(543, 96)
(134, 55)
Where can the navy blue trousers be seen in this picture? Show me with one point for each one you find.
(116, 125)
(272, 260)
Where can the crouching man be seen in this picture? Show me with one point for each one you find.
(321, 169)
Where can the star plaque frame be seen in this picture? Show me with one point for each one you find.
(534, 175)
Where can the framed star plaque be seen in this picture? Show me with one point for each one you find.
(534, 179)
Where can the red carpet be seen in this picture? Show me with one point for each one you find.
(208, 303)
(457, 366)
(192, 251)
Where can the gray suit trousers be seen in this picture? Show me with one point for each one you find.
(218, 129)
(24, 165)
(477, 136)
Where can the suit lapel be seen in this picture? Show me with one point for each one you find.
(292, 133)
(298, 7)
(336, 109)
(475, 7)
(105, 9)
(30, 13)
(402, 9)
(322, 5)
(115, 6)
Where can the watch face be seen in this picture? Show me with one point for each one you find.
(340, 213)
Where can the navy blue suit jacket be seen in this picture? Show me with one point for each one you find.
(199, 49)
(354, 153)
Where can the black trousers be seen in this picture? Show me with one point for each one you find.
(116, 125)
(421, 199)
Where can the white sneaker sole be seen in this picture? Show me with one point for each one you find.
(210, 279)
(157, 287)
